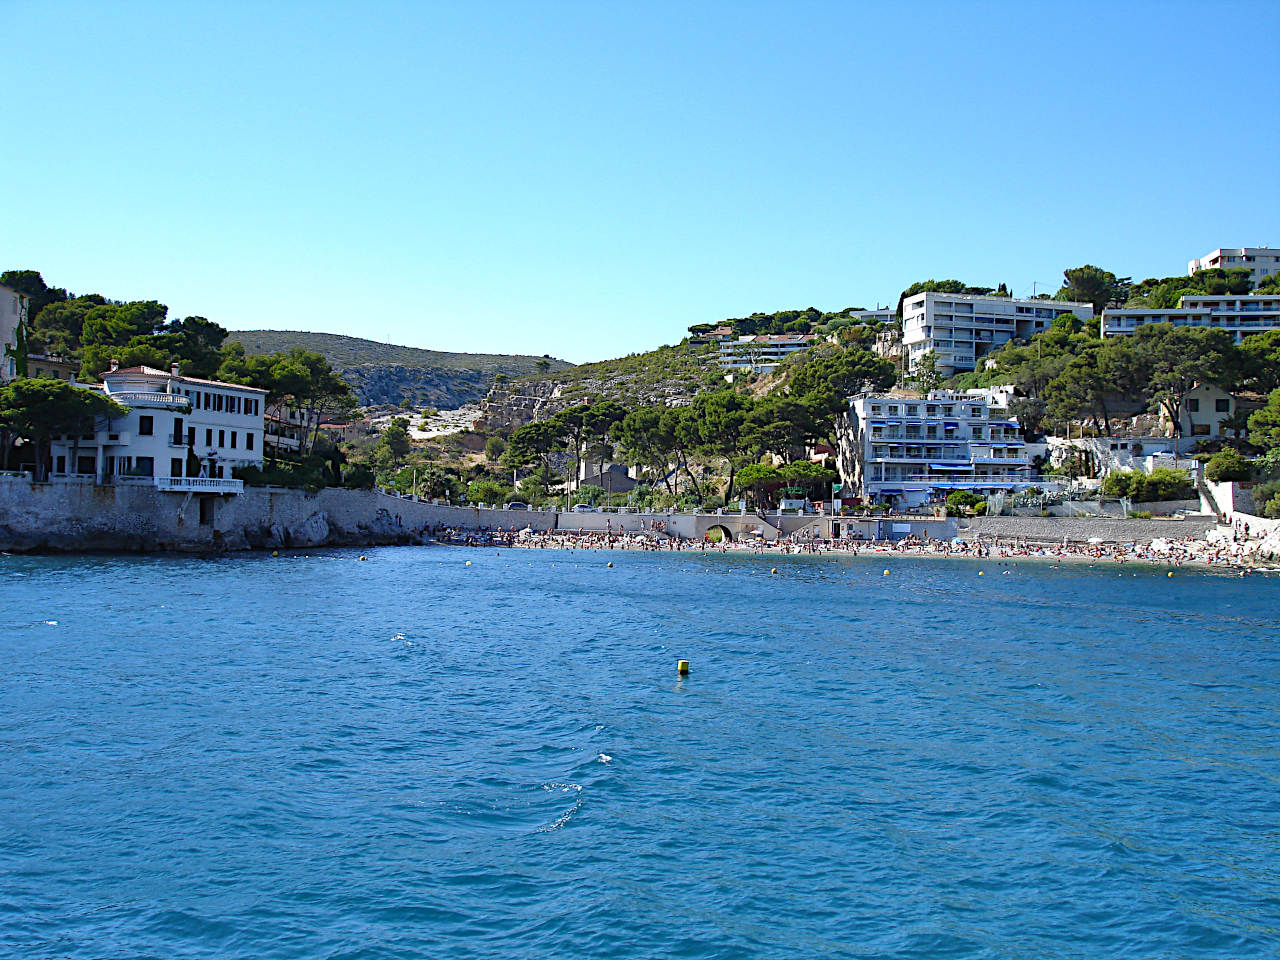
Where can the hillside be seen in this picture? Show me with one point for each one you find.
(389, 373)
(670, 375)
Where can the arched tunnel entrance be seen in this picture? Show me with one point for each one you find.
(718, 533)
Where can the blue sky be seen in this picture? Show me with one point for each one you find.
(588, 179)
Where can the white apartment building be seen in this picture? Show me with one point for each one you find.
(181, 433)
(762, 352)
(1238, 314)
(1261, 262)
(960, 329)
(13, 314)
(915, 450)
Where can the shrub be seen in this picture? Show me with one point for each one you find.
(1226, 465)
(961, 502)
(1162, 483)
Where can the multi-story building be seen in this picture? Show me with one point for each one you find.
(1240, 315)
(960, 329)
(1261, 262)
(911, 450)
(13, 314)
(180, 433)
(763, 352)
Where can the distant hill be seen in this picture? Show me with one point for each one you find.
(388, 373)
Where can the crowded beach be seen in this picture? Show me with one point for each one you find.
(1223, 554)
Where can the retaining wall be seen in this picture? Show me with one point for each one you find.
(1082, 529)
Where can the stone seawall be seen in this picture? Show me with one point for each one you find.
(1083, 529)
(76, 515)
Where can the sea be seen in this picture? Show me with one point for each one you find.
(475, 753)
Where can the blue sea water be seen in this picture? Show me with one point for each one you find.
(318, 757)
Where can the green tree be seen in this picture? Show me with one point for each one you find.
(1178, 358)
(488, 491)
(1093, 285)
(644, 435)
(42, 409)
(756, 477)
(493, 448)
(1228, 464)
(1264, 423)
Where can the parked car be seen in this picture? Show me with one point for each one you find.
(516, 505)
(585, 508)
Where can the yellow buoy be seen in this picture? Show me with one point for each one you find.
(682, 667)
(1171, 573)
(610, 563)
(468, 563)
(275, 553)
(981, 572)
(885, 574)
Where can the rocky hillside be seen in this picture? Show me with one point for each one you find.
(387, 373)
(668, 375)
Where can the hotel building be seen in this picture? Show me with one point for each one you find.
(1238, 314)
(960, 329)
(918, 449)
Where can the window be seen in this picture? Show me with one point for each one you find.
(1193, 405)
(144, 467)
(145, 426)
(1222, 405)
(175, 467)
(177, 431)
(233, 439)
(222, 438)
(208, 438)
(61, 465)
(248, 441)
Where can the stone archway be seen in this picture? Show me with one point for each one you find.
(718, 533)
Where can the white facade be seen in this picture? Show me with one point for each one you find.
(181, 433)
(13, 314)
(763, 352)
(920, 449)
(1261, 262)
(1202, 412)
(1239, 315)
(960, 329)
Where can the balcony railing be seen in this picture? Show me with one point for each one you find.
(165, 401)
(199, 485)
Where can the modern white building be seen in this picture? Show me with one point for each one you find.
(1261, 262)
(13, 314)
(762, 352)
(1238, 314)
(960, 329)
(912, 450)
(181, 433)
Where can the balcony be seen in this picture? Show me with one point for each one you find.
(163, 401)
(198, 485)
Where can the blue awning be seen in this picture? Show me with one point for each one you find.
(950, 423)
(951, 466)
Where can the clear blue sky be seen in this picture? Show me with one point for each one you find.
(588, 179)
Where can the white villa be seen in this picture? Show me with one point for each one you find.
(917, 449)
(181, 433)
